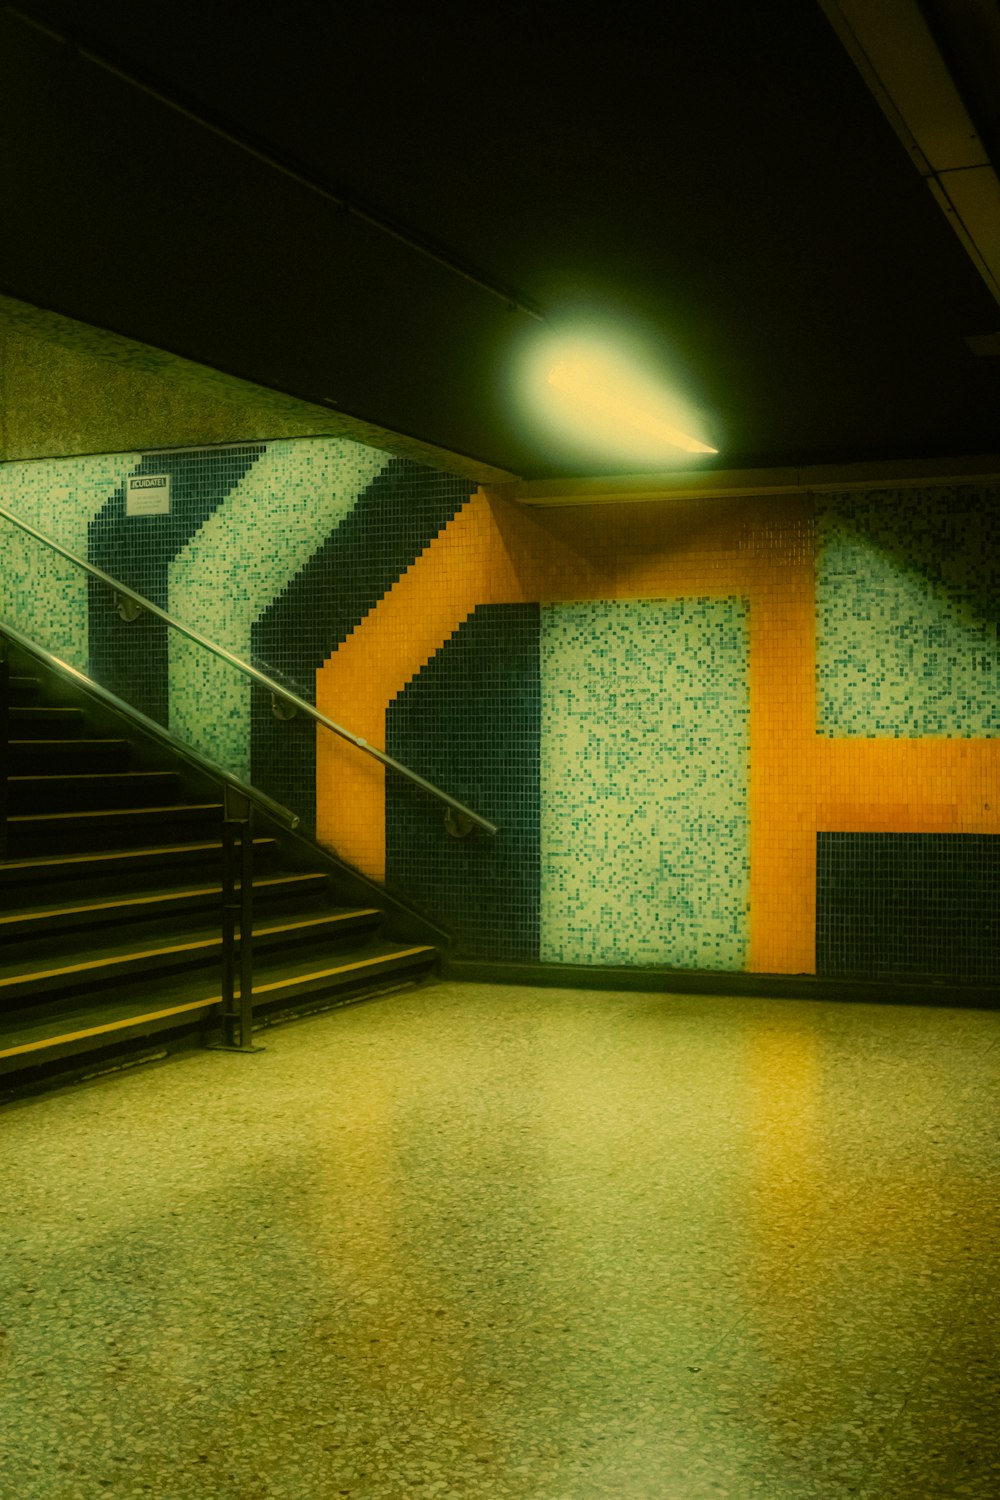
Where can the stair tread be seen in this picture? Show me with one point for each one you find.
(266, 975)
(110, 857)
(117, 812)
(83, 742)
(108, 949)
(153, 895)
(49, 1026)
(45, 1027)
(49, 709)
(90, 776)
(43, 715)
(68, 955)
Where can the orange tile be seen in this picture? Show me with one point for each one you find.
(495, 552)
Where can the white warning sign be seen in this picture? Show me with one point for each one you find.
(147, 495)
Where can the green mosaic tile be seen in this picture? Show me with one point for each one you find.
(237, 562)
(40, 592)
(908, 625)
(644, 767)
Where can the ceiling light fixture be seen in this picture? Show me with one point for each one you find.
(616, 402)
(602, 394)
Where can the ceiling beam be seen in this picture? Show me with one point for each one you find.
(896, 54)
(719, 484)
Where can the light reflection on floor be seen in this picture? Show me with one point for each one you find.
(476, 1241)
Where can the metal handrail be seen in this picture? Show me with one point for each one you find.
(302, 704)
(239, 800)
(274, 810)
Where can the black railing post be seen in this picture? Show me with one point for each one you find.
(4, 739)
(230, 914)
(246, 928)
(237, 923)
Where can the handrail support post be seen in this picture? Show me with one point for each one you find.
(4, 740)
(237, 924)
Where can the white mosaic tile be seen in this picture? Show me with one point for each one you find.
(42, 593)
(235, 565)
(908, 637)
(644, 766)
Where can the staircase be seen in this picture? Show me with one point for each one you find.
(110, 902)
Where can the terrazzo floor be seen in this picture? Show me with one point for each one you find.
(483, 1241)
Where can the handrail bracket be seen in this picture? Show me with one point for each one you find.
(283, 708)
(128, 607)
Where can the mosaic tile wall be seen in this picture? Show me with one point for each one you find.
(40, 591)
(246, 545)
(731, 881)
(644, 772)
(908, 614)
(802, 731)
(470, 721)
(402, 508)
(241, 558)
(908, 905)
(132, 659)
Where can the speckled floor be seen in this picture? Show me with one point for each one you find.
(476, 1241)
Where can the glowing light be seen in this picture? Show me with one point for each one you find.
(611, 399)
(603, 391)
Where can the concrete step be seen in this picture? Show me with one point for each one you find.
(91, 791)
(27, 756)
(70, 965)
(56, 919)
(40, 833)
(39, 721)
(68, 1038)
(62, 873)
(23, 689)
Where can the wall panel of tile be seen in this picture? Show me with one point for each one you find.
(728, 736)
(470, 722)
(908, 641)
(644, 777)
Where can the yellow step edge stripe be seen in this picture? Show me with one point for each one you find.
(38, 860)
(114, 812)
(361, 963)
(124, 958)
(90, 775)
(121, 958)
(76, 1036)
(78, 911)
(340, 916)
(176, 1010)
(150, 898)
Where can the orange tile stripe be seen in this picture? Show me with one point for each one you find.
(495, 552)
(782, 768)
(463, 567)
(909, 786)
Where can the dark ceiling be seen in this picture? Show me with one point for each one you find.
(711, 178)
